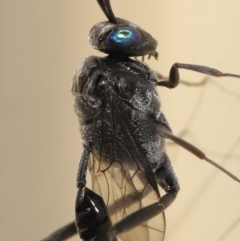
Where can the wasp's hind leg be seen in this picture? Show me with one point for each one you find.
(167, 179)
(92, 219)
(62, 233)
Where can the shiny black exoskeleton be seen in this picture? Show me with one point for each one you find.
(123, 132)
(118, 109)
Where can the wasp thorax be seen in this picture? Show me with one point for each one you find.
(122, 39)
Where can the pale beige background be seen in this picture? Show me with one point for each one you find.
(43, 41)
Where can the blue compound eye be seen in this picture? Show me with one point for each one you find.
(123, 37)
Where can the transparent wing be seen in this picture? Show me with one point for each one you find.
(126, 191)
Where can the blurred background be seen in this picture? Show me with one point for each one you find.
(41, 45)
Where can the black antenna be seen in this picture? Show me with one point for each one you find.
(106, 8)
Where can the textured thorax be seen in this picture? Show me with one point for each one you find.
(116, 102)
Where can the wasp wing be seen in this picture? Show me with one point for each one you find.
(117, 186)
(119, 175)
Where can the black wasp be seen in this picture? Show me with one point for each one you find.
(124, 132)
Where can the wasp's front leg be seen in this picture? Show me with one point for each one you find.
(92, 219)
(174, 77)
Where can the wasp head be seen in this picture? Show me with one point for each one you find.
(119, 37)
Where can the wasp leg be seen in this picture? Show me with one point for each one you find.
(184, 82)
(63, 233)
(92, 219)
(166, 133)
(174, 78)
(82, 168)
(167, 179)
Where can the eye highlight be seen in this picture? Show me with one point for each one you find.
(123, 37)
